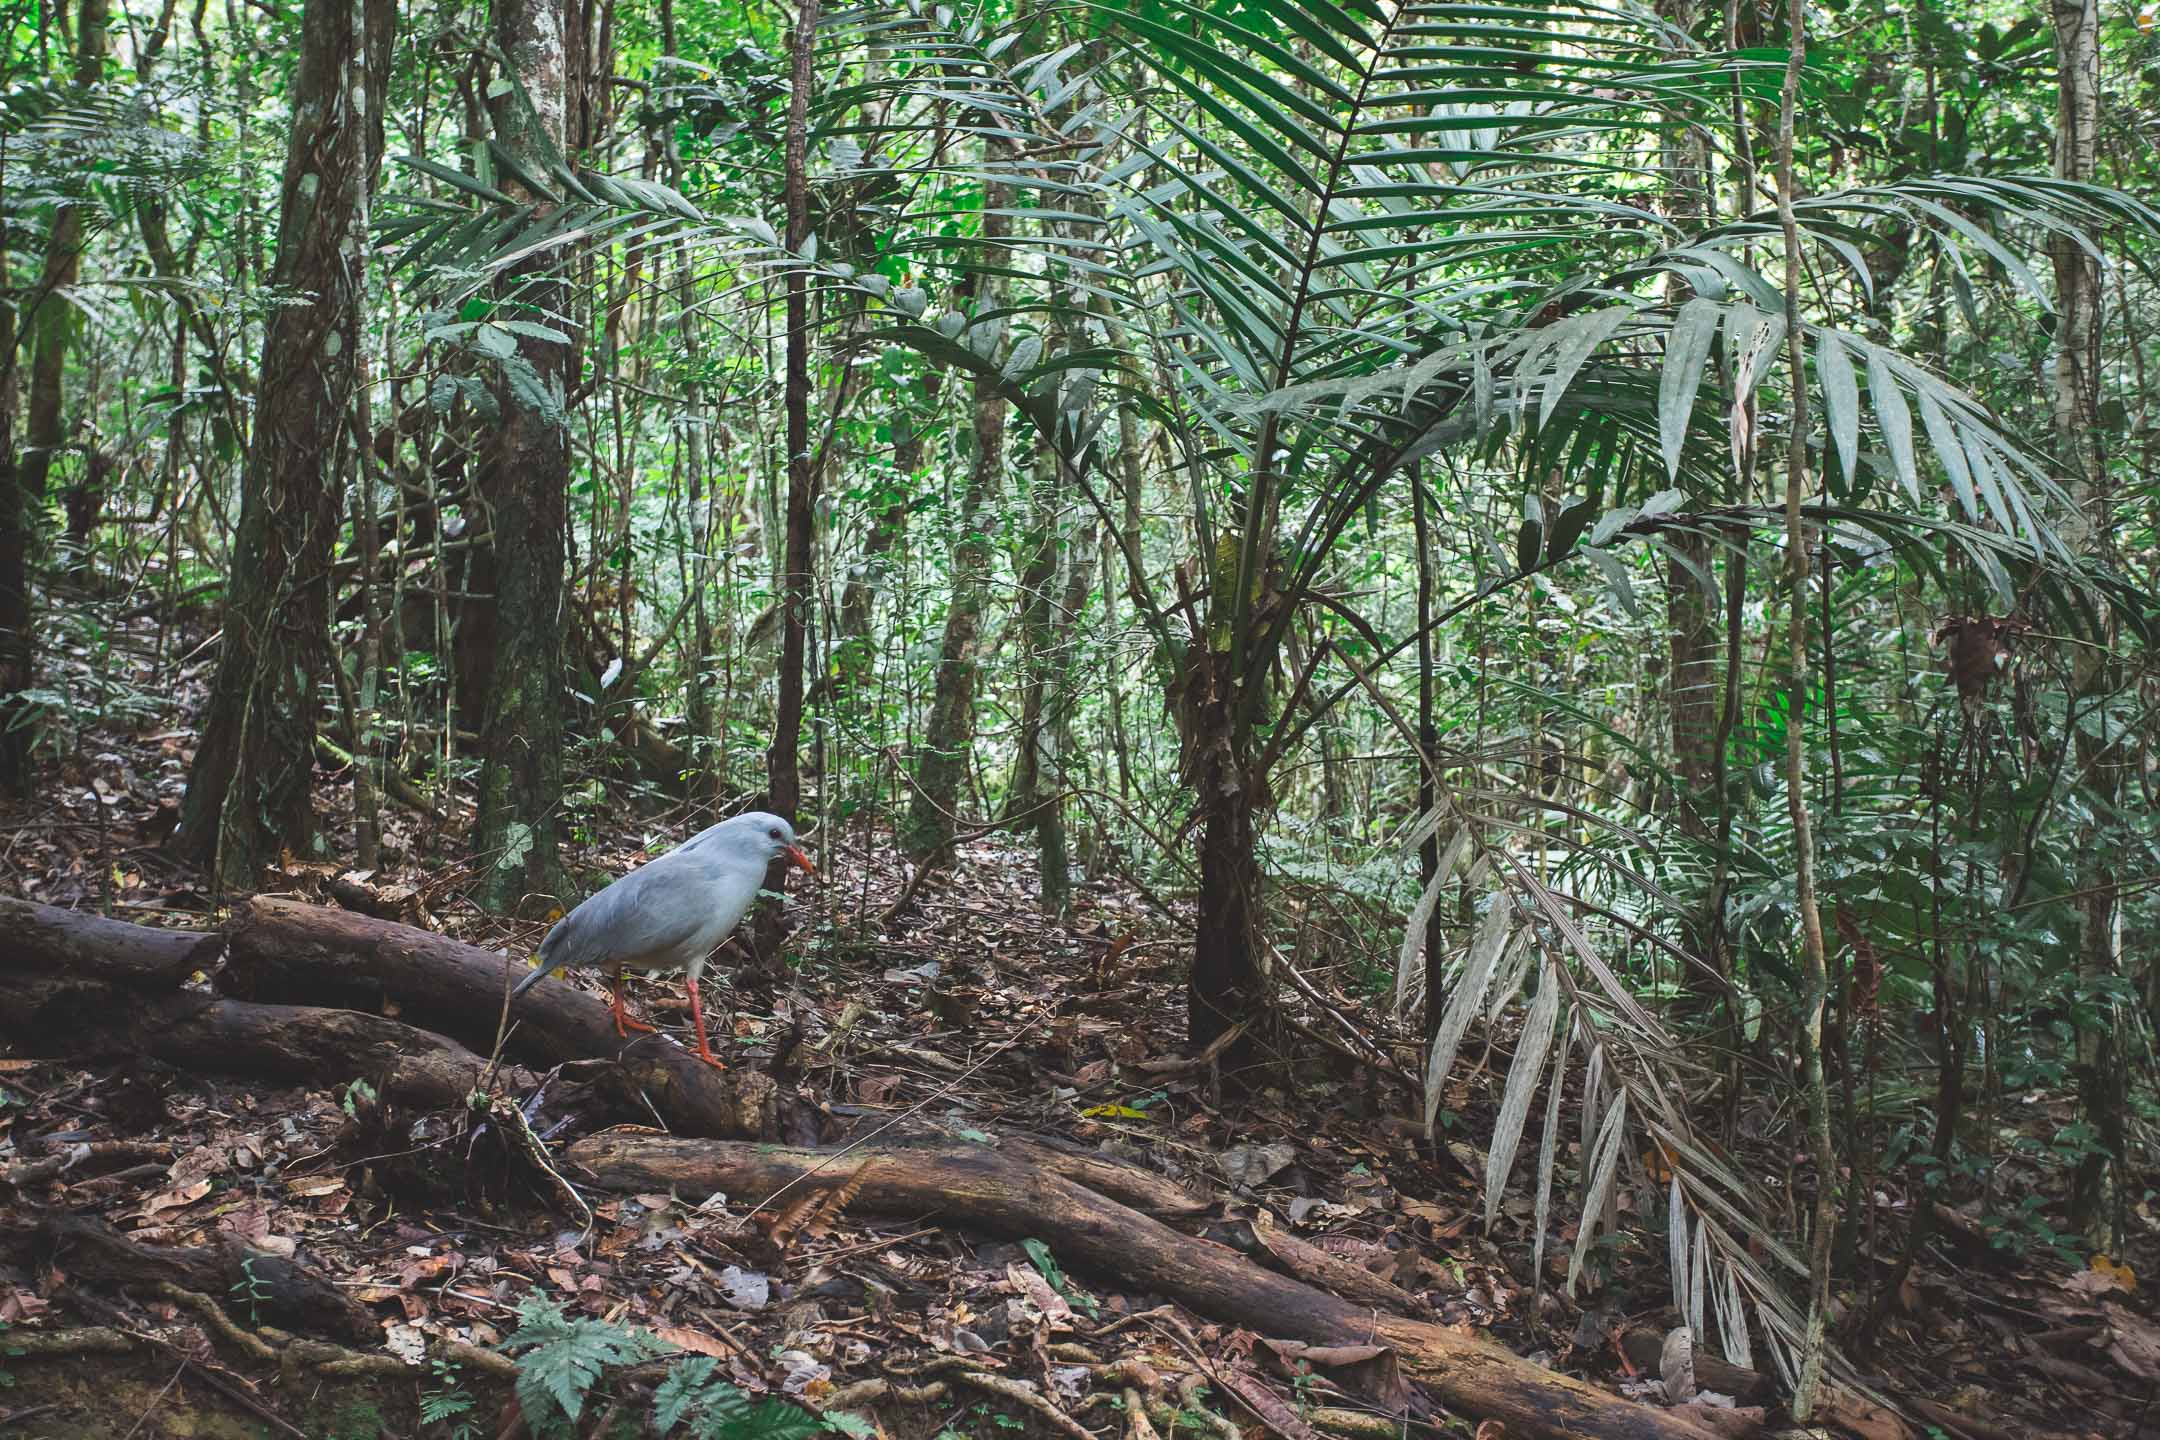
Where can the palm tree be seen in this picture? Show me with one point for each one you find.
(1338, 238)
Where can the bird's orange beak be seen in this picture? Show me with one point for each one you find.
(794, 853)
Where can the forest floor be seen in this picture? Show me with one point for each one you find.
(965, 1010)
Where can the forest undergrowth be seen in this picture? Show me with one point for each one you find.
(941, 1008)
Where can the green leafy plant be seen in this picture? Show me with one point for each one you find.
(448, 1399)
(1052, 1272)
(709, 1408)
(562, 1359)
(252, 1288)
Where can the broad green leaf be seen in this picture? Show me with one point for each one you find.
(1686, 350)
(1841, 398)
(1895, 420)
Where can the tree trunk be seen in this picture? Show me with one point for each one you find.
(1223, 988)
(1025, 802)
(783, 767)
(2094, 1203)
(949, 736)
(249, 792)
(1051, 841)
(525, 480)
(45, 328)
(1428, 761)
(888, 527)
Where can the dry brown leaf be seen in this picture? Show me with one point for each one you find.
(1260, 1397)
(174, 1199)
(1842, 1410)
(697, 1342)
(314, 1187)
(1056, 1313)
(2135, 1342)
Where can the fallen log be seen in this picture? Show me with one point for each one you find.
(47, 938)
(979, 1185)
(271, 1286)
(63, 1017)
(287, 952)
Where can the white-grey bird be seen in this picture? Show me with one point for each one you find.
(670, 913)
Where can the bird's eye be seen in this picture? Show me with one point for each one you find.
(776, 834)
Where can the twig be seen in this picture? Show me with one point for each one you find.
(155, 1401)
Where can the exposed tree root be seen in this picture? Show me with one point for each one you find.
(977, 1185)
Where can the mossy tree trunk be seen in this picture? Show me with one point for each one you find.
(525, 481)
(46, 325)
(248, 794)
(941, 764)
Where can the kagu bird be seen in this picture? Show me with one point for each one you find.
(670, 913)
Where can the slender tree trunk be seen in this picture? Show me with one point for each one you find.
(1428, 758)
(783, 765)
(888, 527)
(525, 480)
(249, 792)
(1815, 983)
(1224, 986)
(1038, 661)
(46, 326)
(2078, 300)
(941, 764)
(1061, 705)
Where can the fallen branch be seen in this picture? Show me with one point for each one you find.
(979, 1186)
(281, 950)
(60, 1018)
(50, 940)
(284, 1290)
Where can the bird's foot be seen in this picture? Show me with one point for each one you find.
(624, 1026)
(713, 1060)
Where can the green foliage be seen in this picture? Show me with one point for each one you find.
(564, 1359)
(447, 1399)
(560, 1359)
(708, 1408)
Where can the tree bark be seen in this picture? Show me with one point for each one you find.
(45, 937)
(978, 1185)
(1224, 986)
(941, 764)
(45, 329)
(249, 792)
(783, 766)
(2094, 1205)
(525, 481)
(70, 1017)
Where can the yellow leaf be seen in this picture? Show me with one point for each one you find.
(2121, 1274)
(1114, 1112)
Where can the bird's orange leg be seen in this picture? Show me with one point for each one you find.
(623, 1023)
(697, 1021)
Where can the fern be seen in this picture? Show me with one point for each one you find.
(564, 1358)
(713, 1409)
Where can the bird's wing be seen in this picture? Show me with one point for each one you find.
(647, 917)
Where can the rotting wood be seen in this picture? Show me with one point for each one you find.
(49, 939)
(281, 1289)
(63, 1018)
(976, 1185)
